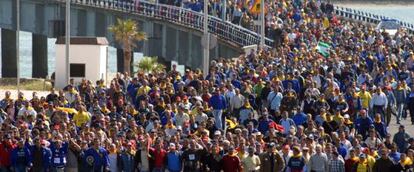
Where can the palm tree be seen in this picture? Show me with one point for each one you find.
(150, 64)
(126, 33)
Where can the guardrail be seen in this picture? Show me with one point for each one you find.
(225, 30)
(368, 17)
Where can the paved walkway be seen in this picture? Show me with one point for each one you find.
(393, 128)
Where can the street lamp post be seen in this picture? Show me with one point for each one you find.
(67, 40)
(206, 48)
(18, 44)
(262, 24)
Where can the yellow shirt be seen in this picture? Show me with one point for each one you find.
(325, 22)
(365, 98)
(143, 90)
(81, 118)
(407, 161)
(362, 167)
(371, 161)
(338, 119)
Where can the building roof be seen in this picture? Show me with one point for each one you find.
(84, 40)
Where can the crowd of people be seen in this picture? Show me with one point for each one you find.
(285, 109)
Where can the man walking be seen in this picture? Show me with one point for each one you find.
(218, 103)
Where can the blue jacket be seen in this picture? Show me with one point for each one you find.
(401, 95)
(132, 92)
(126, 162)
(21, 156)
(264, 126)
(362, 125)
(96, 159)
(59, 155)
(401, 139)
(381, 128)
(218, 102)
(46, 158)
(174, 161)
(300, 118)
(295, 85)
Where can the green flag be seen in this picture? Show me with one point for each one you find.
(323, 48)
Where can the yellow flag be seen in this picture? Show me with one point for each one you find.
(255, 9)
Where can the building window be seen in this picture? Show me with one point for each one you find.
(77, 70)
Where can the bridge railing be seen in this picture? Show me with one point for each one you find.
(225, 30)
(368, 17)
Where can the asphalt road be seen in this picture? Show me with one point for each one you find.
(393, 127)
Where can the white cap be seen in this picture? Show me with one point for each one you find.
(172, 145)
(217, 132)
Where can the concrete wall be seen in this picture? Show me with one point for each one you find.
(93, 56)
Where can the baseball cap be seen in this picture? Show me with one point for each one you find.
(362, 155)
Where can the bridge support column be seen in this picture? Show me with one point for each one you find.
(120, 60)
(164, 41)
(39, 56)
(8, 53)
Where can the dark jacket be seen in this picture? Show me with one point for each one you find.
(46, 156)
(383, 165)
(265, 165)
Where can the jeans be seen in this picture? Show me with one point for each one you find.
(400, 111)
(5, 169)
(20, 168)
(158, 170)
(378, 109)
(57, 169)
(218, 113)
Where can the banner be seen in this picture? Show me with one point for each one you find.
(323, 48)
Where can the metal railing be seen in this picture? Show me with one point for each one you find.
(225, 30)
(368, 17)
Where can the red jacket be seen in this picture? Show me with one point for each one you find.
(231, 163)
(5, 154)
(158, 157)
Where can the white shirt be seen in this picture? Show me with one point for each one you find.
(181, 118)
(229, 95)
(373, 142)
(379, 100)
(275, 99)
(144, 166)
(29, 111)
(347, 144)
(201, 117)
(170, 131)
(236, 101)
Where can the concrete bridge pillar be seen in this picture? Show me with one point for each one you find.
(8, 53)
(39, 56)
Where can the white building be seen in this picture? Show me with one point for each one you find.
(87, 59)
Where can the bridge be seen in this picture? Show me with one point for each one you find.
(173, 33)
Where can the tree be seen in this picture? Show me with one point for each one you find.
(150, 64)
(126, 33)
